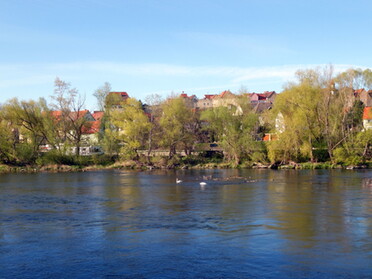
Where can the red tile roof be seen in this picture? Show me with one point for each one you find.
(209, 96)
(224, 93)
(367, 113)
(358, 91)
(57, 114)
(122, 94)
(98, 115)
(184, 95)
(92, 127)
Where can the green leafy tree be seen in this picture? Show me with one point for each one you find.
(298, 106)
(234, 128)
(33, 123)
(175, 123)
(132, 127)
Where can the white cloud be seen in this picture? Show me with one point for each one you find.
(192, 78)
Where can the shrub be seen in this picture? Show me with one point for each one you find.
(55, 157)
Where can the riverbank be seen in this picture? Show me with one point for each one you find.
(136, 165)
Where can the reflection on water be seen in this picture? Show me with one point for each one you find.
(124, 224)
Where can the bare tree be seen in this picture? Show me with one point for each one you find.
(70, 116)
(153, 107)
(101, 94)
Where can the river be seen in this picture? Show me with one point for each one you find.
(241, 224)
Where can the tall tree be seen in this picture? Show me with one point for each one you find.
(234, 128)
(154, 110)
(70, 116)
(174, 121)
(132, 127)
(101, 94)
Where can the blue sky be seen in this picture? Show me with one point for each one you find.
(200, 47)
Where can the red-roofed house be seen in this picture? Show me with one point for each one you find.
(114, 99)
(98, 115)
(88, 128)
(270, 137)
(266, 97)
(206, 102)
(367, 118)
(74, 115)
(191, 101)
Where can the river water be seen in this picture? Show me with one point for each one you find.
(242, 224)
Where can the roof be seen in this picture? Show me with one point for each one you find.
(57, 114)
(261, 107)
(209, 96)
(92, 127)
(358, 91)
(226, 92)
(184, 95)
(367, 113)
(122, 94)
(268, 94)
(98, 115)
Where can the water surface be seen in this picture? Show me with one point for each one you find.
(126, 224)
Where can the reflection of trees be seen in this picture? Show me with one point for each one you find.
(308, 206)
(124, 196)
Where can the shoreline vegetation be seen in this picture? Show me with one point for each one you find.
(319, 121)
(164, 163)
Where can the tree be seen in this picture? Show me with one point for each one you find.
(298, 105)
(70, 118)
(32, 120)
(8, 141)
(101, 94)
(174, 122)
(154, 109)
(234, 129)
(132, 127)
(319, 111)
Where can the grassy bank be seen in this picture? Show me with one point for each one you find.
(190, 162)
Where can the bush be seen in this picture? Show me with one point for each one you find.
(25, 154)
(211, 156)
(342, 156)
(259, 157)
(55, 157)
(103, 160)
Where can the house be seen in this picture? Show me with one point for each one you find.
(90, 128)
(73, 115)
(364, 96)
(191, 101)
(269, 137)
(224, 99)
(206, 102)
(367, 118)
(114, 99)
(266, 97)
(93, 127)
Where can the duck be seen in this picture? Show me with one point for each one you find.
(178, 180)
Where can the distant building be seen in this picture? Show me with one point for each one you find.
(364, 96)
(115, 99)
(266, 97)
(367, 118)
(191, 101)
(206, 102)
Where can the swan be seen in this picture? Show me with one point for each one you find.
(203, 183)
(178, 180)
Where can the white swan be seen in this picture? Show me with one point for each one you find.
(178, 180)
(203, 183)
